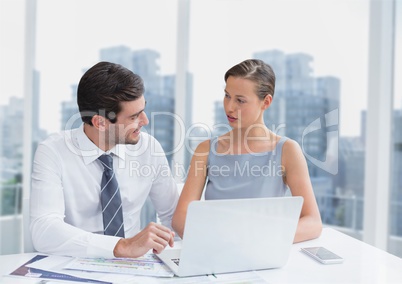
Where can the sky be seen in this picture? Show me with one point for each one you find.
(69, 35)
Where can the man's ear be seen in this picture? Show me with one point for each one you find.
(267, 101)
(99, 122)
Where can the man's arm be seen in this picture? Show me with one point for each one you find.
(50, 233)
(62, 185)
(164, 193)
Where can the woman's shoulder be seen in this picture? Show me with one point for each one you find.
(203, 147)
(289, 144)
(291, 150)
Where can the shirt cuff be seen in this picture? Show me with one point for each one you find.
(102, 246)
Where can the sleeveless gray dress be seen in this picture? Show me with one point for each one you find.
(245, 175)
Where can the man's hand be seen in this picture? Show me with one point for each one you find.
(154, 236)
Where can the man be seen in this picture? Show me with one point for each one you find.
(89, 184)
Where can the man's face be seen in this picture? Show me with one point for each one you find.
(129, 122)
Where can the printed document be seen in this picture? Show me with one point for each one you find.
(147, 265)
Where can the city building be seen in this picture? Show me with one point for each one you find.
(70, 115)
(348, 185)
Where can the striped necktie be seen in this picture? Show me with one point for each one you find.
(110, 199)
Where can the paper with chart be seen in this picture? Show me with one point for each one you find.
(55, 264)
(147, 265)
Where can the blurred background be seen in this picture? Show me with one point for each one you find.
(337, 93)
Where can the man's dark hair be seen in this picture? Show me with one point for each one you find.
(103, 87)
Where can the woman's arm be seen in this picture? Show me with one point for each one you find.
(298, 179)
(193, 186)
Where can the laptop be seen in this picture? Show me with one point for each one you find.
(235, 235)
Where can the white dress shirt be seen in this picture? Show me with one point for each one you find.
(66, 214)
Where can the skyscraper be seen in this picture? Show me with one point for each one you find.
(11, 125)
(70, 116)
(348, 183)
(396, 187)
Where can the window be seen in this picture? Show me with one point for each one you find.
(321, 65)
(70, 37)
(321, 68)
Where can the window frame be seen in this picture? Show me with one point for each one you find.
(377, 184)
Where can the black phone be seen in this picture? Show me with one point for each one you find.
(322, 255)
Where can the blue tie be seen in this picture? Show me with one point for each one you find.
(110, 199)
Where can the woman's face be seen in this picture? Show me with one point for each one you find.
(242, 106)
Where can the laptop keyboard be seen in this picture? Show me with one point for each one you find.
(176, 260)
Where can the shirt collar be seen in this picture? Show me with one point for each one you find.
(90, 152)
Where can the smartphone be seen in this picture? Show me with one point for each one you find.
(322, 255)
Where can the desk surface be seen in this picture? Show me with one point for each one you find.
(363, 263)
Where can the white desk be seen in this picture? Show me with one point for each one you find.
(363, 264)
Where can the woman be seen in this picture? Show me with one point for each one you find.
(250, 161)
